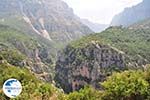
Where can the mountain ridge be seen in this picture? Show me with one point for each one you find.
(96, 27)
(132, 15)
(52, 19)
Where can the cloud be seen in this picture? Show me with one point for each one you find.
(100, 11)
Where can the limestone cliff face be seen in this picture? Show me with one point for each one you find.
(38, 61)
(52, 19)
(21, 50)
(32, 61)
(77, 67)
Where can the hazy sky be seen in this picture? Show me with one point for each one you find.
(99, 11)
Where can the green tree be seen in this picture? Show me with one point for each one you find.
(128, 85)
(88, 93)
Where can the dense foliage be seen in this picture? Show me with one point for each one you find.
(88, 93)
(128, 85)
(32, 87)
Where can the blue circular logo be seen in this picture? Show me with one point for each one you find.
(12, 88)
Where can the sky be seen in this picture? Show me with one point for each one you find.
(99, 11)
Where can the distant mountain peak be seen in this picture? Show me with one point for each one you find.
(96, 27)
(133, 14)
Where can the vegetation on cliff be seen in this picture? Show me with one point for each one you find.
(33, 88)
(127, 85)
(92, 58)
(133, 42)
(20, 49)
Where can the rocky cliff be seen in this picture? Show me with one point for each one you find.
(90, 59)
(133, 14)
(21, 50)
(77, 67)
(33, 31)
(52, 19)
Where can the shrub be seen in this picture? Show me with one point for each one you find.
(88, 93)
(128, 85)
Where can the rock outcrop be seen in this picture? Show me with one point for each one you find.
(20, 50)
(77, 67)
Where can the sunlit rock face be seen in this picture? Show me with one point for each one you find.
(77, 67)
(52, 19)
(133, 14)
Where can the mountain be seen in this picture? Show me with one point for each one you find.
(32, 31)
(94, 26)
(133, 14)
(92, 58)
(51, 19)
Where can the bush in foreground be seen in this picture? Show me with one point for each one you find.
(128, 85)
